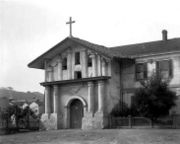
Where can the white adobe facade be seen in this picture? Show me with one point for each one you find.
(84, 81)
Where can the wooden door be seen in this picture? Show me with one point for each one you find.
(76, 114)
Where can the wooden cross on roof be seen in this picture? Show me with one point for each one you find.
(70, 22)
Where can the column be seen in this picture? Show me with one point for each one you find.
(103, 67)
(109, 68)
(99, 66)
(52, 73)
(90, 97)
(69, 64)
(101, 95)
(45, 68)
(94, 65)
(55, 98)
(47, 99)
(60, 68)
(84, 62)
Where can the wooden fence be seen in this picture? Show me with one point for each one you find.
(143, 122)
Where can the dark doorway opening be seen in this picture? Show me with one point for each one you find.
(76, 114)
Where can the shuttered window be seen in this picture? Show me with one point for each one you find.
(77, 75)
(141, 71)
(164, 68)
(77, 58)
(89, 61)
(64, 64)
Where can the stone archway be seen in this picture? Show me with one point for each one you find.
(75, 109)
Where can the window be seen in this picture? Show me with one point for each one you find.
(77, 58)
(64, 64)
(77, 75)
(141, 71)
(164, 68)
(89, 61)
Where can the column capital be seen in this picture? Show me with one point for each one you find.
(59, 59)
(55, 86)
(92, 55)
(101, 82)
(46, 63)
(47, 87)
(103, 61)
(46, 60)
(90, 83)
(69, 50)
(49, 68)
(83, 50)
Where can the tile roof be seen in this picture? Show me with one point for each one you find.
(126, 51)
(99, 48)
(68, 42)
(148, 48)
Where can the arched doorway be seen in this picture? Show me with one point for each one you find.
(76, 114)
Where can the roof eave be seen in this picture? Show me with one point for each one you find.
(43, 56)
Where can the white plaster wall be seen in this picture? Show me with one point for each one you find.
(52, 68)
(113, 87)
(90, 72)
(67, 91)
(175, 81)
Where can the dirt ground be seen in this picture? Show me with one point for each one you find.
(108, 136)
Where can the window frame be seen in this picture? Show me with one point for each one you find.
(169, 70)
(77, 58)
(144, 71)
(64, 63)
(89, 61)
(76, 73)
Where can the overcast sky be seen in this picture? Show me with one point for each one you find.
(28, 28)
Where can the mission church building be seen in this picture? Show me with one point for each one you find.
(84, 81)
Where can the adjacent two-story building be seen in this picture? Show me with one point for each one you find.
(84, 81)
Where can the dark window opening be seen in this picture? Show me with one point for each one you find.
(77, 75)
(64, 64)
(77, 58)
(164, 68)
(89, 61)
(141, 71)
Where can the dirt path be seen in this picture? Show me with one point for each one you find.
(117, 136)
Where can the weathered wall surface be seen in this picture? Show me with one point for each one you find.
(102, 65)
(65, 93)
(130, 82)
(113, 86)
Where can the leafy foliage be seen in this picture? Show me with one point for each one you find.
(121, 109)
(154, 99)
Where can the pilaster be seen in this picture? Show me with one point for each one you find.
(55, 98)
(99, 65)
(60, 68)
(91, 97)
(84, 63)
(103, 67)
(69, 63)
(94, 64)
(46, 61)
(101, 95)
(47, 99)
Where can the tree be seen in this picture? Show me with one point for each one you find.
(154, 99)
(121, 109)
